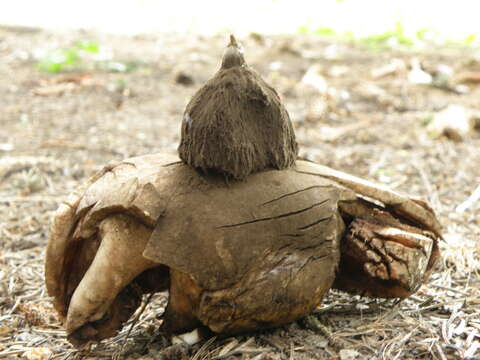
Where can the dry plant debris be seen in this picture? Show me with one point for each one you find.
(440, 321)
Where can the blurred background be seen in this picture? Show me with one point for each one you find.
(439, 20)
(385, 90)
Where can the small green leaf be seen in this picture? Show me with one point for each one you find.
(88, 46)
(470, 39)
(58, 59)
(324, 31)
(303, 29)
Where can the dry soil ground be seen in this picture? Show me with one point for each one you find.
(57, 130)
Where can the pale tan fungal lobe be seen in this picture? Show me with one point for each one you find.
(236, 123)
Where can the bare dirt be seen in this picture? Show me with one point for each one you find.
(57, 130)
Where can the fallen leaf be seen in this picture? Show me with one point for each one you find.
(454, 122)
(82, 79)
(417, 75)
(56, 89)
(314, 79)
(468, 78)
(39, 353)
(64, 83)
(392, 67)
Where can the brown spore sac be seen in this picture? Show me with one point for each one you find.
(236, 123)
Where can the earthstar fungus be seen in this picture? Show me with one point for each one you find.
(238, 256)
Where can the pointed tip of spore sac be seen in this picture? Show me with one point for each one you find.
(233, 41)
(233, 55)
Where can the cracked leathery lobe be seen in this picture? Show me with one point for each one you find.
(296, 212)
(233, 279)
(376, 261)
